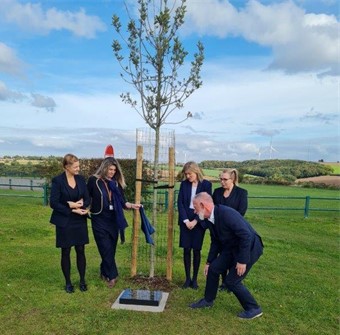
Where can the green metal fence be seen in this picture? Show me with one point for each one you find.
(13, 190)
(305, 204)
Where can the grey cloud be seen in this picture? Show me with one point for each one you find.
(59, 141)
(267, 132)
(198, 115)
(314, 115)
(41, 101)
(9, 95)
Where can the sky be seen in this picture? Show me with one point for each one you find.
(270, 81)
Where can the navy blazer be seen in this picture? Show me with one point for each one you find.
(184, 198)
(238, 198)
(230, 230)
(59, 196)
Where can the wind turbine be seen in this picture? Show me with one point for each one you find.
(259, 153)
(271, 148)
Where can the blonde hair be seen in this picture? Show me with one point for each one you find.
(233, 173)
(69, 159)
(192, 167)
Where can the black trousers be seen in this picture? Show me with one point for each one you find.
(107, 245)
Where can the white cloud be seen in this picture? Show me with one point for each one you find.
(9, 62)
(300, 41)
(32, 17)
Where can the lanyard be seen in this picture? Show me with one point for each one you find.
(108, 192)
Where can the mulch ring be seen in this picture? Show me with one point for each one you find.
(152, 284)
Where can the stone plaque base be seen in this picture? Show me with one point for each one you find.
(140, 297)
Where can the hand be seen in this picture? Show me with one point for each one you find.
(77, 204)
(191, 224)
(241, 268)
(206, 269)
(129, 205)
(80, 211)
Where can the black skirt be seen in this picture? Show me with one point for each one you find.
(75, 233)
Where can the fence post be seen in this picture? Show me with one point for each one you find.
(31, 184)
(307, 206)
(10, 183)
(45, 190)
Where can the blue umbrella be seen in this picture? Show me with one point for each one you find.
(146, 226)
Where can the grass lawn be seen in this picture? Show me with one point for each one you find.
(296, 281)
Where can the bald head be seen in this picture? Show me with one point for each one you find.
(203, 197)
(203, 204)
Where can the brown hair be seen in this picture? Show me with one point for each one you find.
(104, 167)
(69, 159)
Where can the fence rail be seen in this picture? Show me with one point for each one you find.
(304, 202)
(31, 187)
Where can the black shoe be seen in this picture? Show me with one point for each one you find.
(69, 288)
(194, 284)
(187, 284)
(201, 304)
(83, 287)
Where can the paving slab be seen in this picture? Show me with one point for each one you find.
(141, 308)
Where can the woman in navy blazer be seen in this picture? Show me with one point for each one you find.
(106, 189)
(69, 200)
(191, 231)
(231, 195)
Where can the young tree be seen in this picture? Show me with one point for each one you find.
(151, 64)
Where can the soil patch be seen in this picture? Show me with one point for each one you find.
(326, 180)
(152, 284)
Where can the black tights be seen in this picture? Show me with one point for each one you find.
(187, 263)
(66, 263)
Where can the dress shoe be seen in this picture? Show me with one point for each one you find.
(187, 283)
(194, 285)
(83, 287)
(111, 283)
(69, 288)
(250, 314)
(201, 304)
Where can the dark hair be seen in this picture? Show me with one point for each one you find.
(104, 167)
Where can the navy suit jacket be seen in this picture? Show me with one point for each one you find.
(238, 199)
(230, 230)
(184, 198)
(59, 196)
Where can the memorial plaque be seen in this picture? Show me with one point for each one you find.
(141, 297)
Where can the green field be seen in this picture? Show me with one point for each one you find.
(296, 281)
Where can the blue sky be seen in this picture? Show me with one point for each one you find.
(270, 80)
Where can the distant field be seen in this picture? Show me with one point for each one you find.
(335, 166)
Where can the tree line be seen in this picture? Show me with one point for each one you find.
(271, 171)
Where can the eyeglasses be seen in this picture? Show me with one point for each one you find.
(224, 179)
